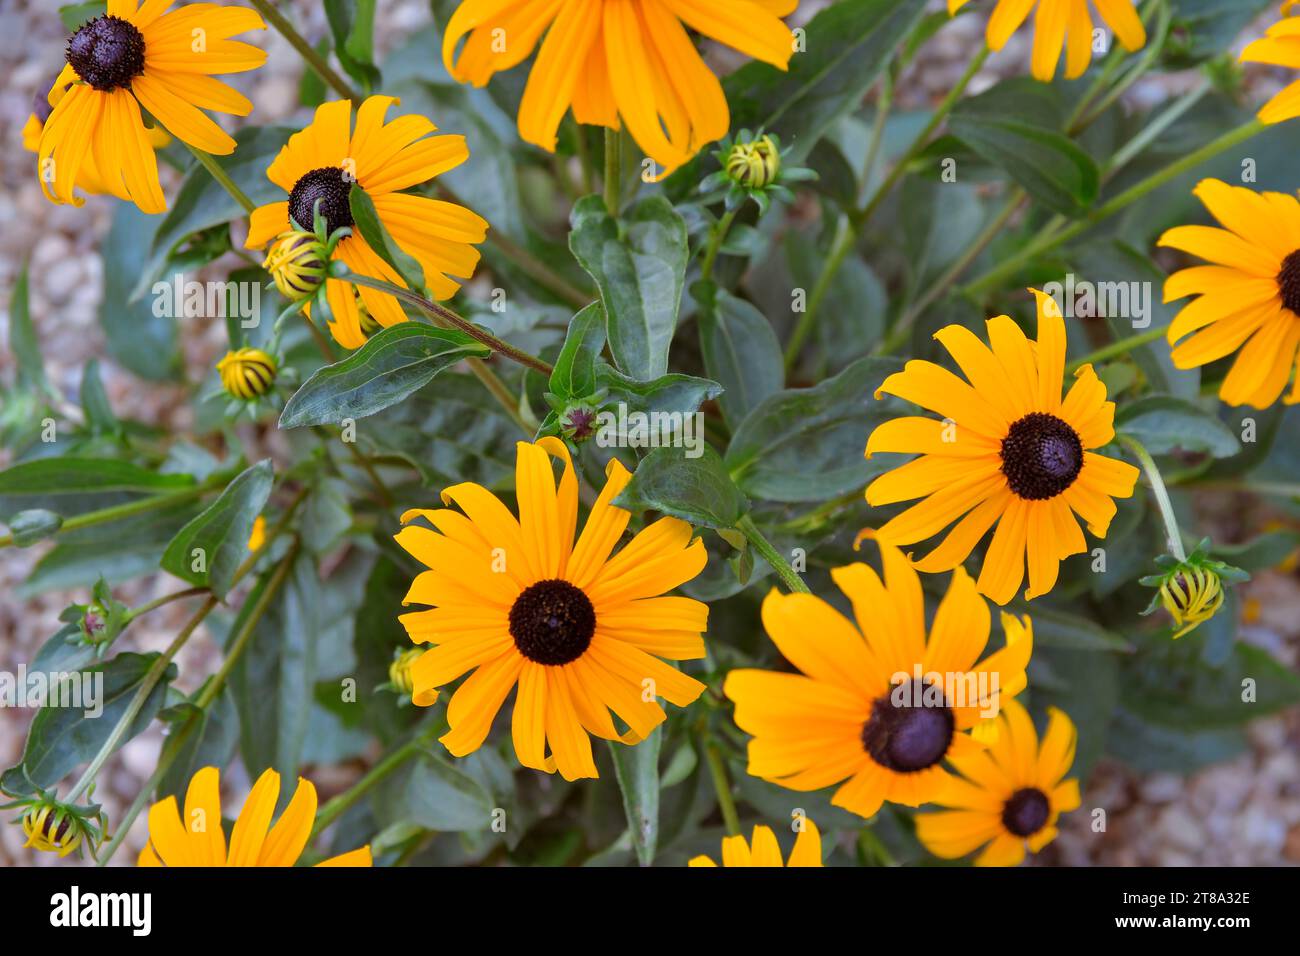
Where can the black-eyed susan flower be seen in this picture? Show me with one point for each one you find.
(297, 262)
(876, 708)
(763, 850)
(247, 373)
(197, 839)
(55, 827)
(1191, 589)
(520, 603)
(617, 61)
(1248, 300)
(89, 179)
(1009, 797)
(1280, 46)
(1061, 24)
(1010, 451)
(320, 166)
(138, 57)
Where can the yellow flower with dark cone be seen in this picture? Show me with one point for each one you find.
(519, 602)
(1061, 24)
(617, 62)
(246, 373)
(197, 838)
(1248, 300)
(1279, 47)
(89, 179)
(1008, 798)
(328, 159)
(134, 57)
(1009, 451)
(763, 850)
(876, 707)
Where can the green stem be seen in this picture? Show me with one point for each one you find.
(150, 681)
(125, 510)
(1155, 44)
(1155, 128)
(156, 603)
(441, 312)
(1121, 347)
(726, 803)
(846, 236)
(1161, 494)
(1008, 267)
(716, 236)
(769, 554)
(497, 389)
(884, 104)
(306, 50)
(613, 170)
(220, 175)
(336, 807)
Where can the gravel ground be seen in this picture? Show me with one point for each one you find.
(1245, 812)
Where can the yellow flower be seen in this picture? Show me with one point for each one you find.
(328, 159)
(133, 57)
(296, 263)
(89, 178)
(520, 602)
(1009, 451)
(1008, 797)
(877, 705)
(198, 839)
(1280, 47)
(51, 829)
(257, 537)
(246, 373)
(612, 61)
(763, 850)
(1248, 301)
(1061, 24)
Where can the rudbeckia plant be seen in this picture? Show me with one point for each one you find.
(693, 433)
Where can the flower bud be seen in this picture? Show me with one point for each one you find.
(399, 672)
(1192, 594)
(754, 165)
(297, 263)
(247, 373)
(52, 827)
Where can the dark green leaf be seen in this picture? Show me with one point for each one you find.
(574, 375)
(740, 350)
(73, 485)
(697, 490)
(22, 336)
(637, 770)
(371, 228)
(1163, 424)
(216, 541)
(434, 794)
(394, 363)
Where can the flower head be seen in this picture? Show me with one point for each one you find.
(617, 62)
(134, 57)
(247, 373)
(1191, 590)
(1248, 300)
(876, 707)
(197, 839)
(1010, 451)
(1061, 24)
(297, 263)
(753, 168)
(62, 828)
(520, 602)
(1280, 46)
(318, 169)
(763, 850)
(1009, 797)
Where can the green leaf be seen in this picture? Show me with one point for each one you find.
(574, 374)
(697, 490)
(75, 15)
(352, 22)
(1163, 424)
(808, 444)
(846, 47)
(22, 337)
(371, 228)
(210, 741)
(740, 350)
(640, 267)
(94, 402)
(34, 525)
(1179, 690)
(394, 363)
(218, 537)
(1203, 29)
(1015, 125)
(137, 335)
(637, 770)
(434, 794)
(62, 738)
(72, 485)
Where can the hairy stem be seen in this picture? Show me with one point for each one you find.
(769, 554)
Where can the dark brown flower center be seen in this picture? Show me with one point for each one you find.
(107, 53)
(327, 186)
(1041, 456)
(1026, 812)
(905, 733)
(552, 622)
(1288, 282)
